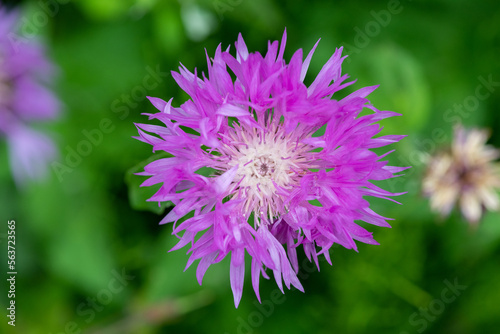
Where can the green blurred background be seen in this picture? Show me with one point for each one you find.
(84, 226)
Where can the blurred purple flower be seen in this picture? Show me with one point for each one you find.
(24, 99)
(273, 183)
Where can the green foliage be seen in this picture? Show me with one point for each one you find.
(74, 233)
(403, 87)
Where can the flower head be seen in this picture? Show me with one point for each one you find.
(274, 182)
(464, 173)
(24, 99)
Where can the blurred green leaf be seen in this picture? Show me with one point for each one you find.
(403, 87)
(80, 250)
(105, 9)
(168, 28)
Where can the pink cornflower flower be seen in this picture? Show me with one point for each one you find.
(274, 186)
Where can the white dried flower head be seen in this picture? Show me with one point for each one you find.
(466, 174)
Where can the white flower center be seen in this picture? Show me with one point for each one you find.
(264, 163)
(269, 162)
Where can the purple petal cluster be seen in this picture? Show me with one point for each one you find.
(24, 100)
(275, 184)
